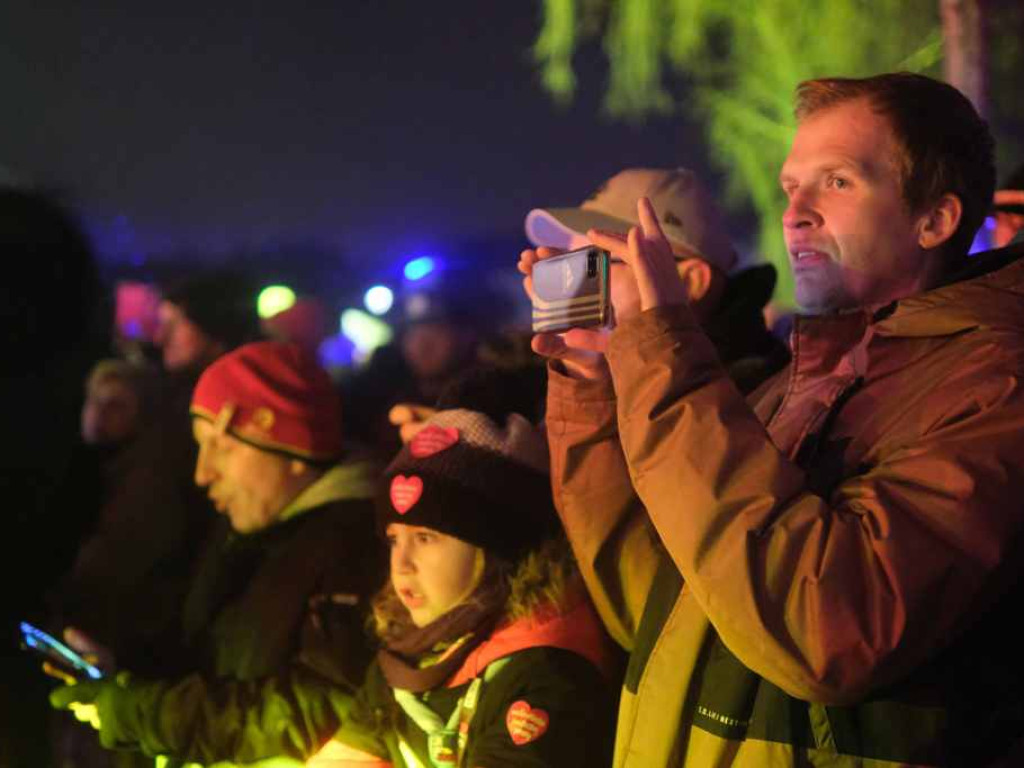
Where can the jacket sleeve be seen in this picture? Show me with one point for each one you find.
(549, 708)
(826, 598)
(204, 720)
(360, 742)
(605, 522)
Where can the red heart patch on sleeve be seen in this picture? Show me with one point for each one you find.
(433, 439)
(524, 723)
(405, 492)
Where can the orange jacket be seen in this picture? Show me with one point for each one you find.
(830, 539)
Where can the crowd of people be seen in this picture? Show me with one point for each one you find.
(678, 539)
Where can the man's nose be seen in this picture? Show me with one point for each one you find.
(204, 474)
(801, 211)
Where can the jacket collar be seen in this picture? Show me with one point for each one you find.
(352, 480)
(575, 629)
(988, 292)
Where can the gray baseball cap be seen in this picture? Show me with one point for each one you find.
(689, 217)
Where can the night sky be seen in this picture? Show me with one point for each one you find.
(381, 128)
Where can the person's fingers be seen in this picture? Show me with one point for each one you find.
(399, 414)
(65, 695)
(645, 267)
(408, 431)
(86, 713)
(649, 220)
(634, 247)
(547, 251)
(405, 413)
(578, 345)
(585, 340)
(527, 259)
(79, 640)
(613, 242)
(58, 674)
(548, 345)
(93, 651)
(531, 256)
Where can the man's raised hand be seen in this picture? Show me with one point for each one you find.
(580, 350)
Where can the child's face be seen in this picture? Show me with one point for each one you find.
(431, 571)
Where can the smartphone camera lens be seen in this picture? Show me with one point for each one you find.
(591, 264)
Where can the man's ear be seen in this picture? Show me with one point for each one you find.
(697, 276)
(940, 222)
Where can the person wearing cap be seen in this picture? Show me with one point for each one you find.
(289, 571)
(727, 300)
(140, 562)
(439, 332)
(204, 315)
(844, 542)
(728, 304)
(491, 654)
(1008, 210)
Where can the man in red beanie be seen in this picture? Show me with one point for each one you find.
(289, 572)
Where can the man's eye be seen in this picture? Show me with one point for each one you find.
(425, 538)
(838, 182)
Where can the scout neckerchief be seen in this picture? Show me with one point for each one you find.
(446, 741)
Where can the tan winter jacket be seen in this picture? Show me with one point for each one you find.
(836, 543)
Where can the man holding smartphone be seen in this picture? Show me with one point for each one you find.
(727, 301)
(287, 574)
(842, 544)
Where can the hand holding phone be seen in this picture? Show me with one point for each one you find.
(571, 291)
(580, 351)
(57, 653)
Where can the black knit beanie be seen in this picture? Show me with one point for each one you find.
(468, 477)
(221, 302)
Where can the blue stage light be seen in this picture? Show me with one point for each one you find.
(419, 268)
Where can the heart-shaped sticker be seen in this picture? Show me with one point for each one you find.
(433, 439)
(524, 723)
(405, 492)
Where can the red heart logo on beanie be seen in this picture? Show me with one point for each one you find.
(405, 492)
(524, 723)
(433, 439)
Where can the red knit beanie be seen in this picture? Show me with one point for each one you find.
(274, 396)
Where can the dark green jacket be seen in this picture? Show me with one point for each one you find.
(295, 593)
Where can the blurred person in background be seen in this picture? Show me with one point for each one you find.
(1008, 209)
(51, 332)
(115, 400)
(439, 332)
(305, 323)
(204, 315)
